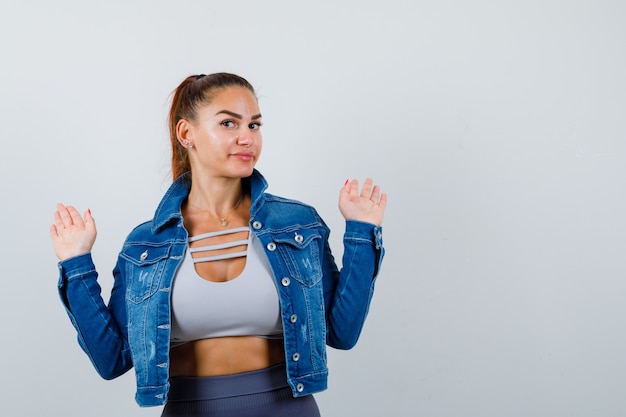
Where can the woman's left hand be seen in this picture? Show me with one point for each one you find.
(366, 206)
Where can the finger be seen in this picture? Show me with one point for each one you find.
(347, 193)
(90, 222)
(53, 232)
(383, 201)
(345, 189)
(375, 194)
(75, 215)
(367, 188)
(64, 217)
(58, 221)
(353, 190)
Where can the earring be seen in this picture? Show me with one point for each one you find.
(187, 144)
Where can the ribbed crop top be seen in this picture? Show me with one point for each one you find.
(247, 305)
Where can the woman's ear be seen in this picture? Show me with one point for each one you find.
(183, 133)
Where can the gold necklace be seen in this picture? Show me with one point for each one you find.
(223, 220)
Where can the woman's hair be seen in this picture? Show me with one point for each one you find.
(194, 92)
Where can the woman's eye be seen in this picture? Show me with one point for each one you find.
(228, 123)
(256, 125)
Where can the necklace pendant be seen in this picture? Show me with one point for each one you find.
(224, 222)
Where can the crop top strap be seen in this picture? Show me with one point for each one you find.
(220, 250)
(218, 233)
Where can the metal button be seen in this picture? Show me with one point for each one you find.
(271, 246)
(143, 256)
(300, 387)
(299, 238)
(285, 281)
(295, 357)
(257, 224)
(293, 318)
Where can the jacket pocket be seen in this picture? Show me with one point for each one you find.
(300, 250)
(144, 267)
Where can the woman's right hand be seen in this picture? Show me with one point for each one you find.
(71, 234)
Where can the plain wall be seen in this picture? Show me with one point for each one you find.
(497, 128)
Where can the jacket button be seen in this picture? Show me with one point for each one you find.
(300, 387)
(293, 318)
(299, 238)
(295, 357)
(271, 246)
(285, 281)
(143, 256)
(257, 224)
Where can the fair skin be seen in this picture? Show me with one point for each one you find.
(226, 144)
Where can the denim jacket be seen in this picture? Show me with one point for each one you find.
(320, 305)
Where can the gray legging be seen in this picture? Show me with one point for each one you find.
(251, 394)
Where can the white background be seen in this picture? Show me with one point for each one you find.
(497, 128)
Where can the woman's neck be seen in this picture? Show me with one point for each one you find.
(216, 198)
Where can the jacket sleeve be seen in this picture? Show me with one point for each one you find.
(101, 329)
(348, 292)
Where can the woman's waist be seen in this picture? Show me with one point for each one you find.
(185, 388)
(222, 356)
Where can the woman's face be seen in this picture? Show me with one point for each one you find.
(226, 135)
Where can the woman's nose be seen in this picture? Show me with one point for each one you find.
(245, 139)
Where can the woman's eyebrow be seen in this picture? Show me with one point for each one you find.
(237, 116)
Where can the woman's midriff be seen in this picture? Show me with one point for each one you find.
(225, 356)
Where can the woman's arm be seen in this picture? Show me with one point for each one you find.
(348, 292)
(101, 330)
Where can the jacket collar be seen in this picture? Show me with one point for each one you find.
(169, 207)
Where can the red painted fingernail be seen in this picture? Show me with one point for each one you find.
(345, 182)
(89, 210)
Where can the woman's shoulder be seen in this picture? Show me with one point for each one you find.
(279, 200)
(284, 206)
(279, 211)
(148, 233)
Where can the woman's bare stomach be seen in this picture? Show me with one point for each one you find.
(225, 356)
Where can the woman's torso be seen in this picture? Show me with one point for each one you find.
(225, 308)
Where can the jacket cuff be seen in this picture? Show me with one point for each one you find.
(366, 231)
(75, 267)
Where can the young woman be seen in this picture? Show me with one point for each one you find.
(225, 300)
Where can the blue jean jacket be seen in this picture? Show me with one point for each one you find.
(320, 305)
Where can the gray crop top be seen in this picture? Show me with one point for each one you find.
(247, 305)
